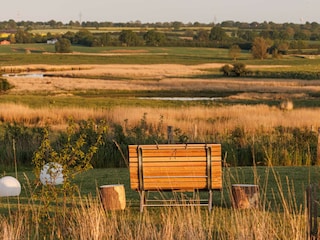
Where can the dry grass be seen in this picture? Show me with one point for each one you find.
(88, 220)
(147, 77)
(196, 121)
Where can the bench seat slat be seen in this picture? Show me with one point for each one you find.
(172, 146)
(177, 159)
(169, 147)
(170, 186)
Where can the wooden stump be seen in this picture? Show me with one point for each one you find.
(245, 196)
(113, 197)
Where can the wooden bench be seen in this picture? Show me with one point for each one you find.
(175, 167)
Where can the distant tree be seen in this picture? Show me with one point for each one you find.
(12, 24)
(70, 35)
(154, 38)
(52, 23)
(247, 35)
(129, 38)
(302, 35)
(217, 34)
(176, 25)
(105, 39)
(38, 38)
(4, 85)
(280, 46)
(12, 38)
(289, 31)
(202, 35)
(63, 45)
(259, 48)
(83, 37)
(234, 51)
(23, 36)
(226, 70)
(239, 69)
(298, 44)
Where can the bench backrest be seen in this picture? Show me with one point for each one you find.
(175, 167)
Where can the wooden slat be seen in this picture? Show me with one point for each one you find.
(175, 166)
(176, 159)
(186, 185)
(157, 157)
(173, 153)
(215, 148)
(171, 146)
(151, 169)
(175, 183)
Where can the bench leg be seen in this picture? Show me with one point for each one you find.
(142, 200)
(210, 200)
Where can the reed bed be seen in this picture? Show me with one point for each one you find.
(195, 121)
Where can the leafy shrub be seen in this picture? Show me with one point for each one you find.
(4, 85)
(237, 70)
(226, 70)
(283, 146)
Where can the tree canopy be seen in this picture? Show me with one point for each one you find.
(281, 38)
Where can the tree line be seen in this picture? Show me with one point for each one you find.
(262, 38)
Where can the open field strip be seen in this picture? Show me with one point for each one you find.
(155, 77)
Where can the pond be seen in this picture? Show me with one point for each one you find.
(30, 75)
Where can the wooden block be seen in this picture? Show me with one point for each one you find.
(245, 196)
(113, 197)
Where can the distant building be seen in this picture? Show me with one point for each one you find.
(52, 41)
(4, 42)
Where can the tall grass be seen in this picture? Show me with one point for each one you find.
(278, 217)
(207, 120)
(260, 134)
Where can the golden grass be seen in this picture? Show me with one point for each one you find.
(87, 220)
(147, 77)
(196, 121)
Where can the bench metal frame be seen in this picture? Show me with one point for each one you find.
(144, 201)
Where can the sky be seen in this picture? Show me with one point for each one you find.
(151, 11)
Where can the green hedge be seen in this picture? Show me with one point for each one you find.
(284, 146)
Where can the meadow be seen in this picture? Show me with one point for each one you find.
(116, 85)
(281, 213)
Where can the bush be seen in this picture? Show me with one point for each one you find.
(63, 45)
(4, 85)
(226, 70)
(284, 146)
(237, 70)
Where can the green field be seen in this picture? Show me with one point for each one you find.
(15, 54)
(291, 181)
(281, 213)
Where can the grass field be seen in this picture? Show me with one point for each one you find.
(294, 179)
(281, 215)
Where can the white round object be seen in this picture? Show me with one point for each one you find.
(9, 186)
(51, 174)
